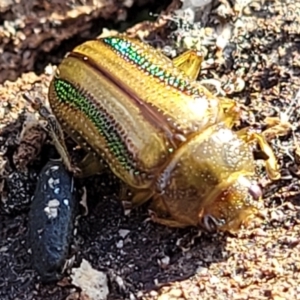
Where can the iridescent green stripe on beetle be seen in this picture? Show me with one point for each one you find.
(66, 92)
(127, 49)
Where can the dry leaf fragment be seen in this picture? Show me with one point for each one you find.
(93, 283)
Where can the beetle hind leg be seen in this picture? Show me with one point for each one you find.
(90, 165)
(134, 197)
(189, 62)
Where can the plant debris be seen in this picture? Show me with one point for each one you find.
(93, 283)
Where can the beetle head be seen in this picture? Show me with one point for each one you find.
(232, 206)
(207, 181)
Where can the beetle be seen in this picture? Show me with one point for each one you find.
(158, 129)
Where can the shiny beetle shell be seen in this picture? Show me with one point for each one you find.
(160, 131)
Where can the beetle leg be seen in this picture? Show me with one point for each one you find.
(272, 167)
(159, 214)
(134, 196)
(189, 62)
(231, 111)
(166, 222)
(90, 165)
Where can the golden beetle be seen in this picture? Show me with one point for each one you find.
(160, 131)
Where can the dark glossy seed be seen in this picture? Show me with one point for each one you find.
(51, 220)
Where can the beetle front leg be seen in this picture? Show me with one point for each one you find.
(165, 221)
(231, 111)
(232, 115)
(272, 167)
(160, 214)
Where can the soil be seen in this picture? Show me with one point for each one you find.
(259, 69)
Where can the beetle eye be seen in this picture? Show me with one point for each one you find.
(255, 191)
(253, 188)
